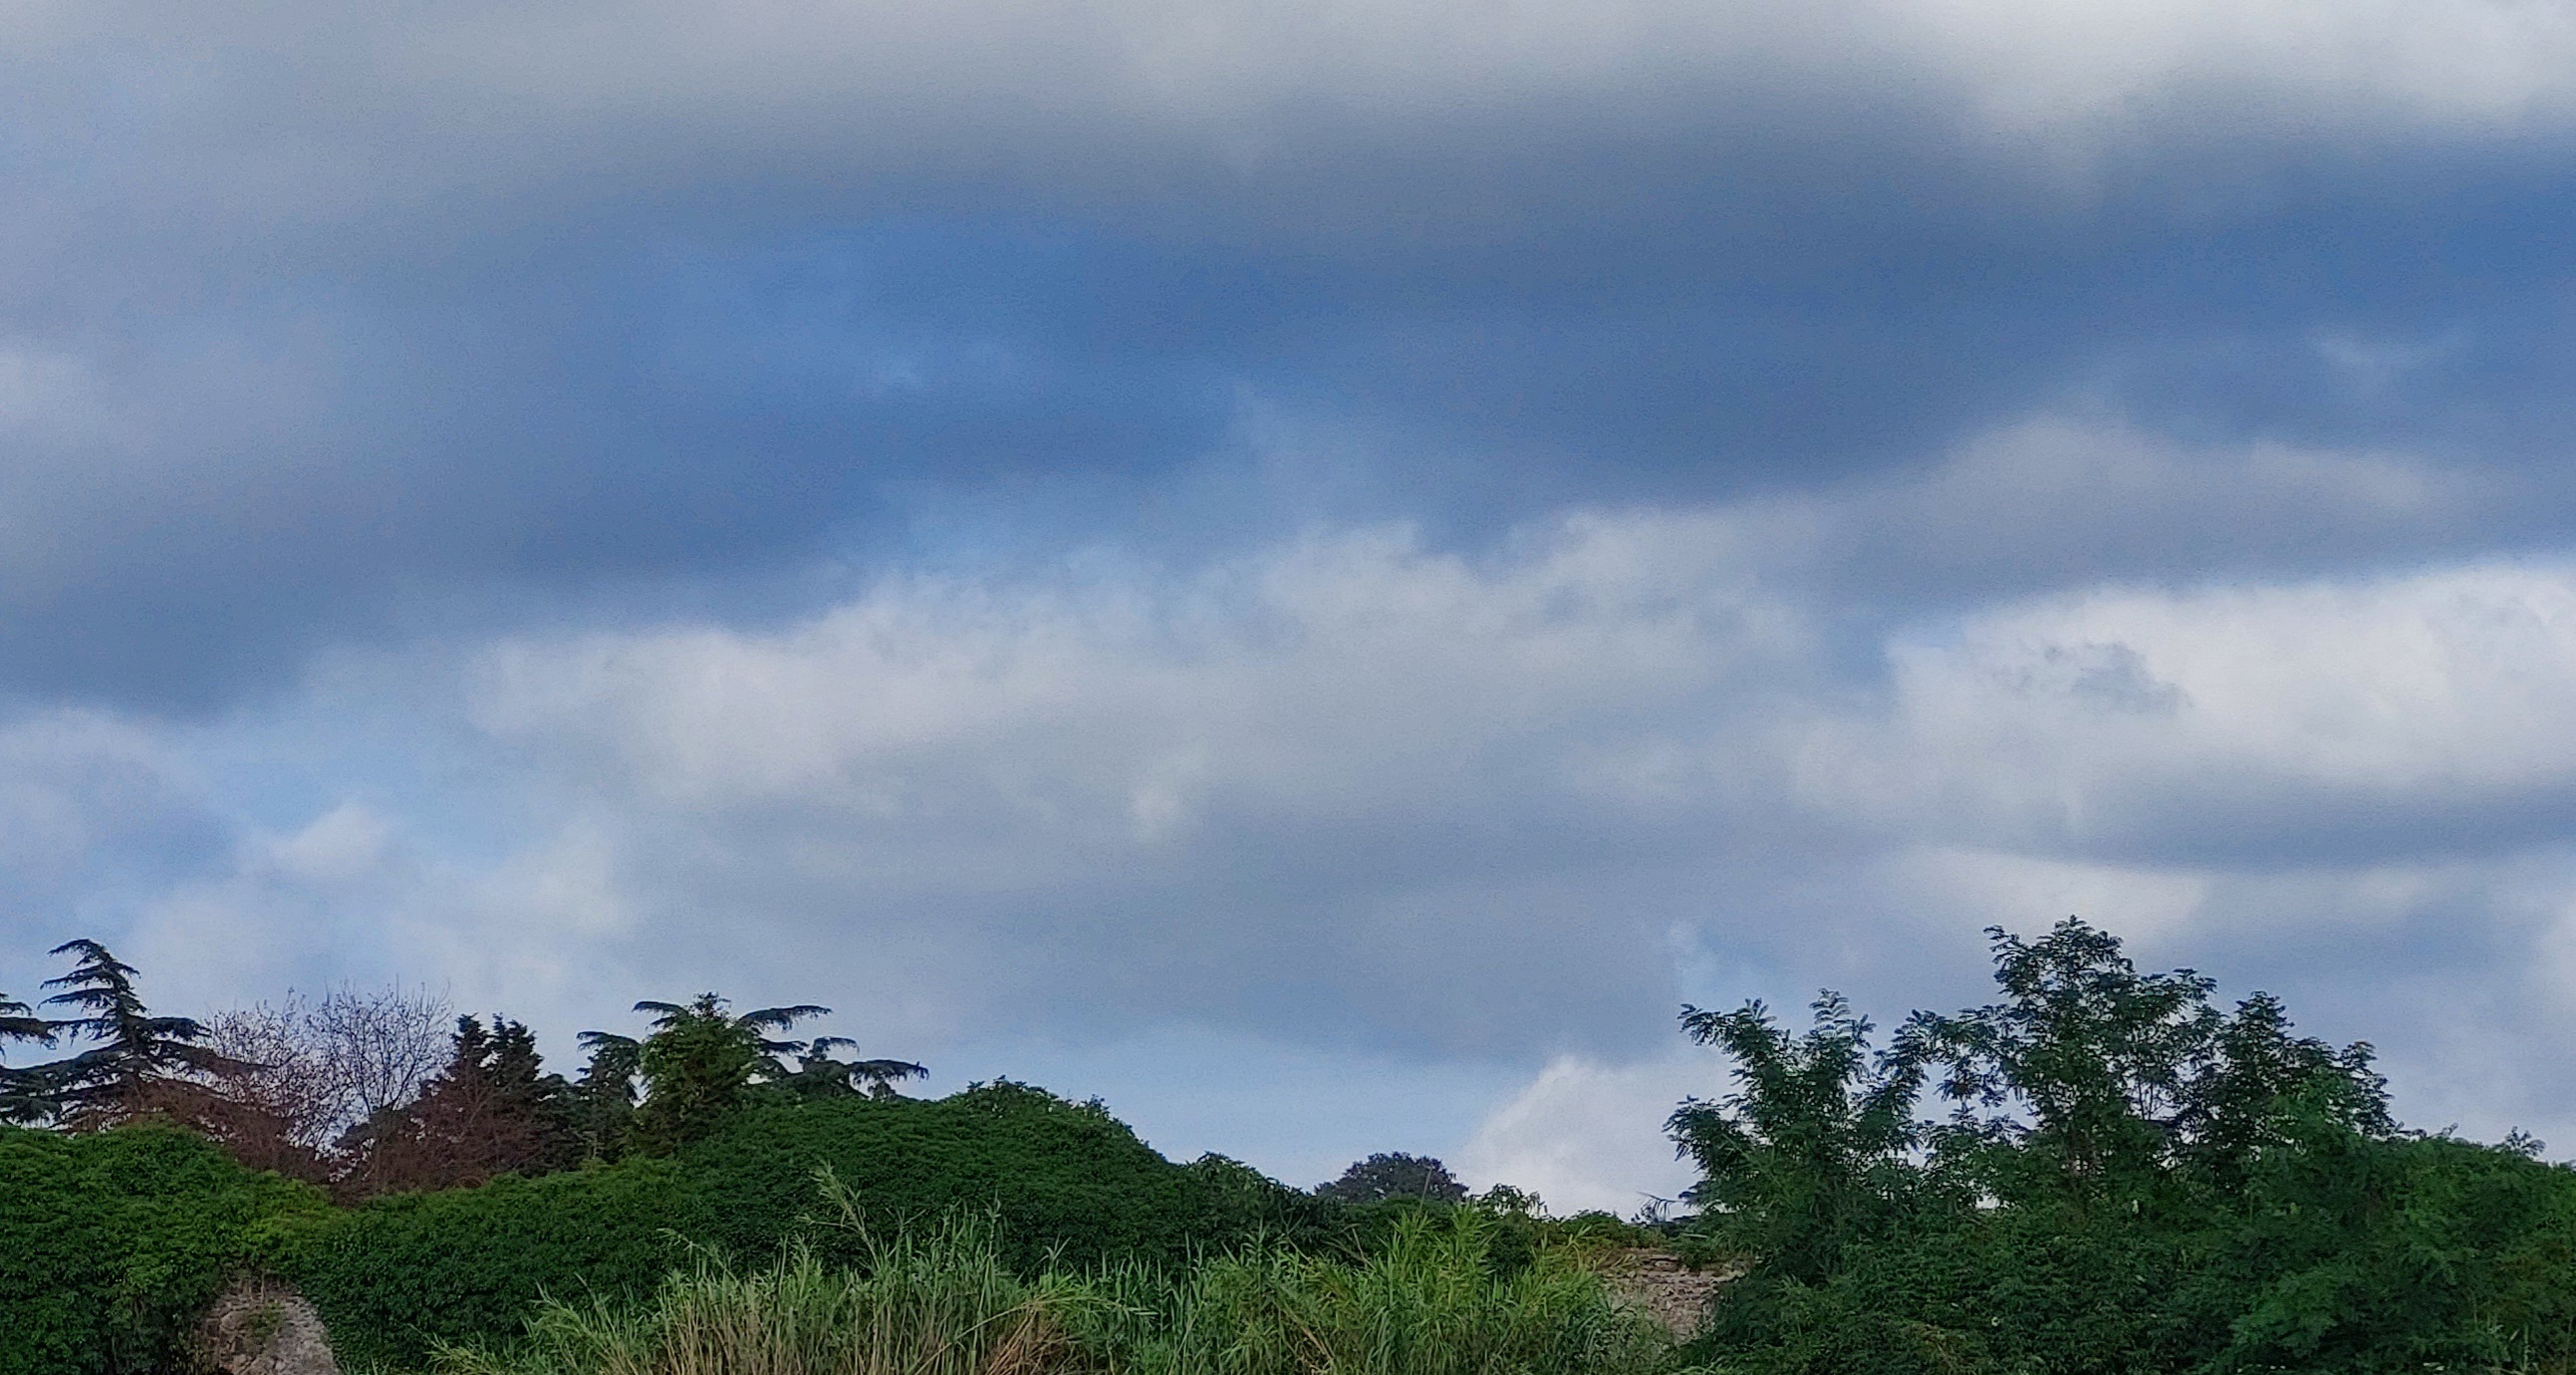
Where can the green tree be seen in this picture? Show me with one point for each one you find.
(1811, 1151)
(2262, 1091)
(702, 1064)
(1393, 1174)
(2112, 1083)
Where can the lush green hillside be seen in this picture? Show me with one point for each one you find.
(111, 1243)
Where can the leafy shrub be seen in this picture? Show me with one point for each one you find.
(112, 1244)
(1066, 1182)
(397, 1275)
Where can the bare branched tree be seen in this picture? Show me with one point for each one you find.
(280, 1071)
(381, 1047)
(320, 1067)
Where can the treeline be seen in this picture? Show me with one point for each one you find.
(2101, 1170)
(2129, 1177)
(385, 1092)
(426, 1182)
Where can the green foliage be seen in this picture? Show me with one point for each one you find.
(397, 1275)
(703, 1064)
(2134, 1181)
(1810, 1153)
(112, 1243)
(698, 1066)
(1064, 1180)
(1394, 1175)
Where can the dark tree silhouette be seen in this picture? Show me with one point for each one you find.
(604, 1096)
(1394, 1175)
(21, 1090)
(818, 1074)
(140, 1064)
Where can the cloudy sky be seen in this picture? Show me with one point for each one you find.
(1313, 568)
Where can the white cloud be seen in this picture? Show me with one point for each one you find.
(2144, 719)
(1585, 1135)
(1355, 796)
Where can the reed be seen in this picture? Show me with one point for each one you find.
(940, 1301)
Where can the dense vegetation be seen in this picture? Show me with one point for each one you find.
(1058, 1179)
(111, 1243)
(2130, 1179)
(943, 1299)
(2100, 1171)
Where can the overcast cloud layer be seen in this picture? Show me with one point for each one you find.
(1314, 570)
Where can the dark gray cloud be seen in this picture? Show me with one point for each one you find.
(321, 327)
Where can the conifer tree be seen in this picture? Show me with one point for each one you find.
(21, 1096)
(138, 1062)
(492, 1111)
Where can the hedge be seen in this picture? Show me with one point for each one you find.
(112, 1244)
(395, 1277)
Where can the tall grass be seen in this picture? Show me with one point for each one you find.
(1428, 1304)
(942, 1302)
(939, 1303)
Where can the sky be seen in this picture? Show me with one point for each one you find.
(1312, 569)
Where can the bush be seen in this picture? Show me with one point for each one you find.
(112, 1244)
(394, 1277)
(1064, 1182)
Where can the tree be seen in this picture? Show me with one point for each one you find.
(1810, 1151)
(492, 1111)
(139, 1063)
(378, 1048)
(1394, 1175)
(2111, 1081)
(325, 1066)
(700, 1064)
(818, 1075)
(604, 1096)
(2263, 1090)
(21, 1091)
